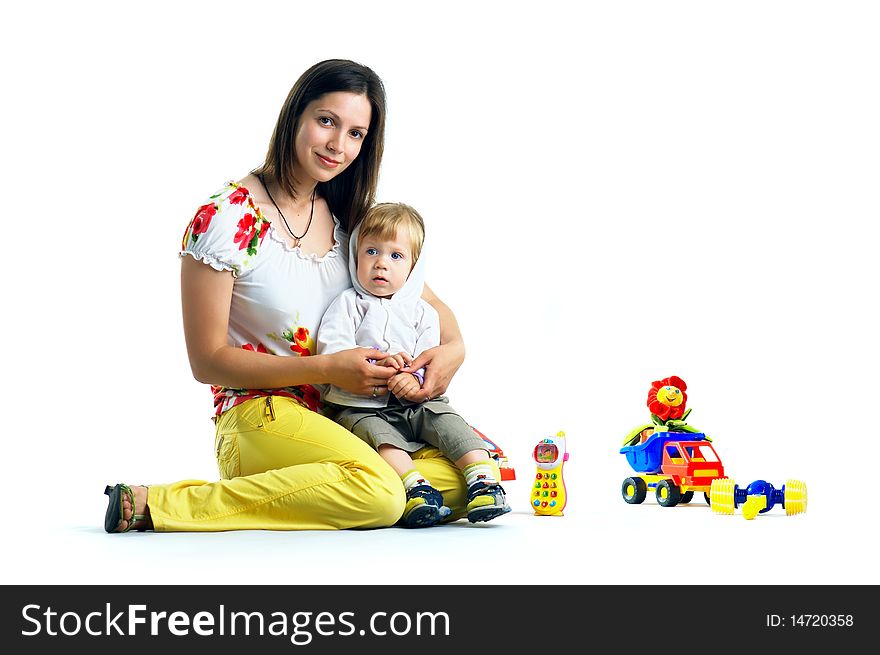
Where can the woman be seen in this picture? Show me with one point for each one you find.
(261, 261)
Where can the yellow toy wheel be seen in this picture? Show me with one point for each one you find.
(721, 493)
(668, 493)
(795, 497)
(634, 490)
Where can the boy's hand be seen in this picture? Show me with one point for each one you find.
(398, 362)
(403, 385)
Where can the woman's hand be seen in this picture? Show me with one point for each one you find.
(351, 370)
(440, 363)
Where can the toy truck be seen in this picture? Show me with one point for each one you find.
(674, 465)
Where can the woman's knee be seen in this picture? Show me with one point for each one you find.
(388, 507)
(380, 496)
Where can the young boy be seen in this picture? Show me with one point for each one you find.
(385, 310)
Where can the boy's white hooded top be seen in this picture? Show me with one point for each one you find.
(402, 323)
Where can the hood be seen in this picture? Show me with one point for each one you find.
(409, 293)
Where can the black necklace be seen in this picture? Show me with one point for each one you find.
(296, 239)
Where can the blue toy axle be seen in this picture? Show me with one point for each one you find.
(760, 488)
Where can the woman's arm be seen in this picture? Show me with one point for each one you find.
(440, 362)
(206, 296)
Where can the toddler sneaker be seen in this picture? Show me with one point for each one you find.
(486, 501)
(424, 507)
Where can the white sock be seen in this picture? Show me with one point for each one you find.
(478, 472)
(412, 479)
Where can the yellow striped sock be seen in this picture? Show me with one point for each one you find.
(479, 472)
(412, 478)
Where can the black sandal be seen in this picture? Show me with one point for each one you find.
(115, 510)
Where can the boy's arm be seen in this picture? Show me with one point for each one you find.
(338, 326)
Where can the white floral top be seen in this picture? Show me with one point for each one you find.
(279, 294)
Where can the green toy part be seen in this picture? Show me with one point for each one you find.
(659, 425)
(634, 435)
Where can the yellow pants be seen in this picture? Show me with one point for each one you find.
(284, 467)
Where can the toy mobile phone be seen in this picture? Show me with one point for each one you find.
(548, 492)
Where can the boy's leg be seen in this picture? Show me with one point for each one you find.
(398, 459)
(438, 424)
(284, 468)
(441, 426)
(424, 504)
(447, 478)
(389, 434)
(486, 498)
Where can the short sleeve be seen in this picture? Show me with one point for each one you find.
(338, 325)
(226, 231)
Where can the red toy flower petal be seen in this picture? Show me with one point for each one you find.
(674, 381)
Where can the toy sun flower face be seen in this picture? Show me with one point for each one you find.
(670, 396)
(667, 398)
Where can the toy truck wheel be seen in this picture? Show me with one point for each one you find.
(722, 494)
(795, 497)
(668, 494)
(686, 497)
(634, 490)
(707, 498)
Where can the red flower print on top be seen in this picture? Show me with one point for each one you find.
(311, 397)
(202, 219)
(301, 342)
(300, 350)
(247, 235)
(238, 196)
(260, 348)
(246, 231)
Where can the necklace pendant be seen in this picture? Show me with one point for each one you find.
(296, 239)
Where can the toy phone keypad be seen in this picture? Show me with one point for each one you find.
(548, 490)
(546, 496)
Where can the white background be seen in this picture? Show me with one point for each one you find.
(614, 193)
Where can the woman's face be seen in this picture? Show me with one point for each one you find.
(330, 133)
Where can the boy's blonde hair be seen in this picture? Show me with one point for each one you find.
(382, 221)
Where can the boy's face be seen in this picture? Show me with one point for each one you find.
(384, 266)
